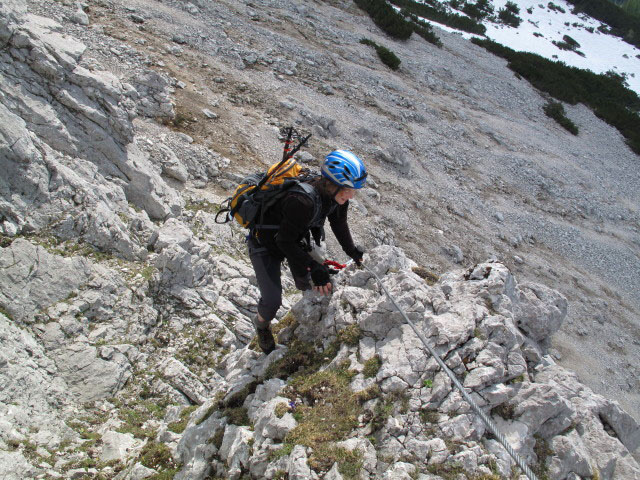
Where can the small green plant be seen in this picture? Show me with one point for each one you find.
(381, 413)
(429, 416)
(281, 409)
(350, 335)
(289, 320)
(387, 56)
(202, 205)
(302, 358)
(237, 415)
(449, 470)
(555, 8)
(428, 383)
(368, 394)
(180, 425)
(477, 333)
(217, 438)
(542, 451)
(4, 312)
(428, 276)
(519, 379)
(283, 451)
(147, 272)
(372, 366)
(157, 456)
(556, 111)
(504, 410)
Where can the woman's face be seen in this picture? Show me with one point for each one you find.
(344, 194)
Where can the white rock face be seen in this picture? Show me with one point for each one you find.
(33, 391)
(66, 143)
(182, 379)
(33, 278)
(117, 446)
(235, 449)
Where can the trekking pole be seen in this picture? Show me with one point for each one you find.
(483, 416)
(287, 153)
(287, 145)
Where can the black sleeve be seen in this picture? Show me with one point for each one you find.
(340, 228)
(297, 213)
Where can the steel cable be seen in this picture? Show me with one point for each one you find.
(483, 416)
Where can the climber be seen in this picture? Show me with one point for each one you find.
(300, 215)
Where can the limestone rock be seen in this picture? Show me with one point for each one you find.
(298, 468)
(32, 389)
(33, 278)
(117, 446)
(195, 449)
(150, 89)
(235, 449)
(183, 380)
(539, 311)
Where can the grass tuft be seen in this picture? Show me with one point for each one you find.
(372, 366)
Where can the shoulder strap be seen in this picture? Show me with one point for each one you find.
(310, 192)
(294, 185)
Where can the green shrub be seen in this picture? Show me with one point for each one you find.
(485, 6)
(350, 335)
(387, 56)
(556, 111)
(237, 415)
(157, 456)
(622, 24)
(571, 41)
(542, 451)
(435, 11)
(632, 7)
(568, 43)
(556, 8)
(386, 18)
(509, 15)
(422, 28)
(606, 95)
(473, 11)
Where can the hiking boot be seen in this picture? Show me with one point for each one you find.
(266, 341)
(265, 337)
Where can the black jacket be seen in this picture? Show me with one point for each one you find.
(293, 214)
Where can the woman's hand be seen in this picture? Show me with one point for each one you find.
(320, 278)
(324, 290)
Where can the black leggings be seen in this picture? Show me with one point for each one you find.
(267, 268)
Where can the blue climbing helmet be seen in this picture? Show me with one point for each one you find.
(344, 169)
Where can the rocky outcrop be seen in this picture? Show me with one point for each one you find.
(66, 144)
(477, 321)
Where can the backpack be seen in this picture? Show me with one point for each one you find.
(260, 191)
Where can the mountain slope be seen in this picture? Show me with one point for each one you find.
(127, 124)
